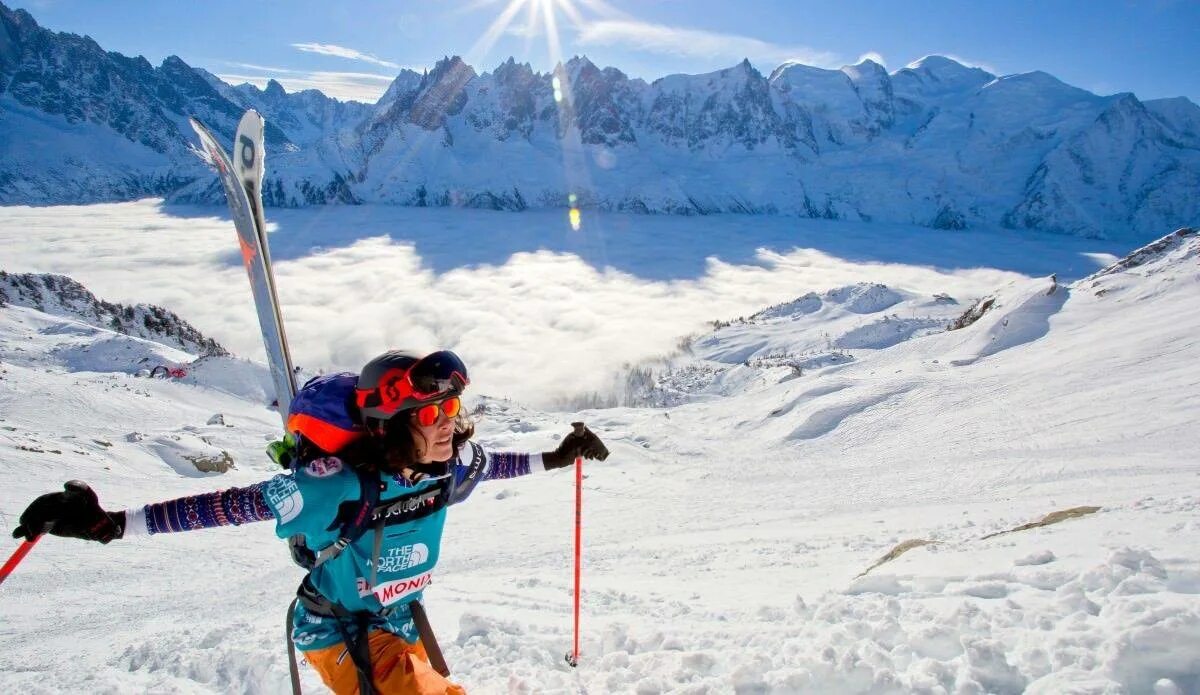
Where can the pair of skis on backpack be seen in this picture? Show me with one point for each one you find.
(242, 176)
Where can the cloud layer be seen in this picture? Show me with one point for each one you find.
(536, 325)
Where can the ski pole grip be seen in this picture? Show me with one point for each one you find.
(579, 428)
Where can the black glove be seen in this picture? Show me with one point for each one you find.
(73, 513)
(581, 442)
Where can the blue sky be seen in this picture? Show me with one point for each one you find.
(352, 49)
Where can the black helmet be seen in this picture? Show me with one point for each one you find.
(397, 381)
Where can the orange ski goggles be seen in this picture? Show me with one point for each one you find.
(427, 414)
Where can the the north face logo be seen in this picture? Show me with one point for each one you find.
(406, 557)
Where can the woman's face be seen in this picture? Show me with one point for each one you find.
(433, 442)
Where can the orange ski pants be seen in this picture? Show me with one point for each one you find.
(399, 668)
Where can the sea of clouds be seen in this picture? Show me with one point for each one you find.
(541, 313)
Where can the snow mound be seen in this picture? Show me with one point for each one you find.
(865, 298)
(233, 375)
(114, 353)
(826, 420)
(808, 304)
(1020, 313)
(190, 455)
(887, 332)
(1041, 557)
(861, 298)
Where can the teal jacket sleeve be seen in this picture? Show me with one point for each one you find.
(306, 501)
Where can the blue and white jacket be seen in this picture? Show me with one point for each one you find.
(307, 502)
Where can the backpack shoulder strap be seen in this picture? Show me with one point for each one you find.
(358, 522)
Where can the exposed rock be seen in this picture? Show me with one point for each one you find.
(211, 464)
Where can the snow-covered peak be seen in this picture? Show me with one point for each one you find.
(406, 83)
(946, 69)
(809, 83)
(274, 90)
(865, 69)
(578, 64)
(441, 93)
(1037, 85)
(938, 76)
(59, 295)
(1180, 114)
(719, 81)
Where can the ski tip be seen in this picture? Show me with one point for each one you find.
(199, 127)
(251, 119)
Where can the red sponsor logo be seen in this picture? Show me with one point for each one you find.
(391, 592)
(324, 467)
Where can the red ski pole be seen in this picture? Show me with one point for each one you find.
(573, 657)
(20, 554)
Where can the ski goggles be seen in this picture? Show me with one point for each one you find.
(428, 414)
(435, 377)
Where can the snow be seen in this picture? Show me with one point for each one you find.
(726, 536)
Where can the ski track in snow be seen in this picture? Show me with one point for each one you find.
(723, 536)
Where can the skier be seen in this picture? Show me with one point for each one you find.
(392, 484)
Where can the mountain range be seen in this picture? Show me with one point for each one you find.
(936, 143)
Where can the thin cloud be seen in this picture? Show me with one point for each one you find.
(345, 86)
(259, 68)
(962, 61)
(872, 56)
(697, 43)
(329, 49)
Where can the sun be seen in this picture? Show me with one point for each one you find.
(542, 17)
(529, 18)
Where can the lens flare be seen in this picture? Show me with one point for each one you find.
(575, 217)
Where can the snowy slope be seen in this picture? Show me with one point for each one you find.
(727, 534)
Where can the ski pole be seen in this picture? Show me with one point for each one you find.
(573, 657)
(17, 556)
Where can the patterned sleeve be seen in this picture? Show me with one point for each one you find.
(505, 464)
(231, 507)
(474, 465)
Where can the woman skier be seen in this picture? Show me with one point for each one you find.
(379, 458)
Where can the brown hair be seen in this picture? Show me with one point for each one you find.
(396, 449)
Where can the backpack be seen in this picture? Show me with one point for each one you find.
(322, 412)
(320, 417)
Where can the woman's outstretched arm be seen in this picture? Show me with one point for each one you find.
(232, 507)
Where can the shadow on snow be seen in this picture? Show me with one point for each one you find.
(663, 247)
